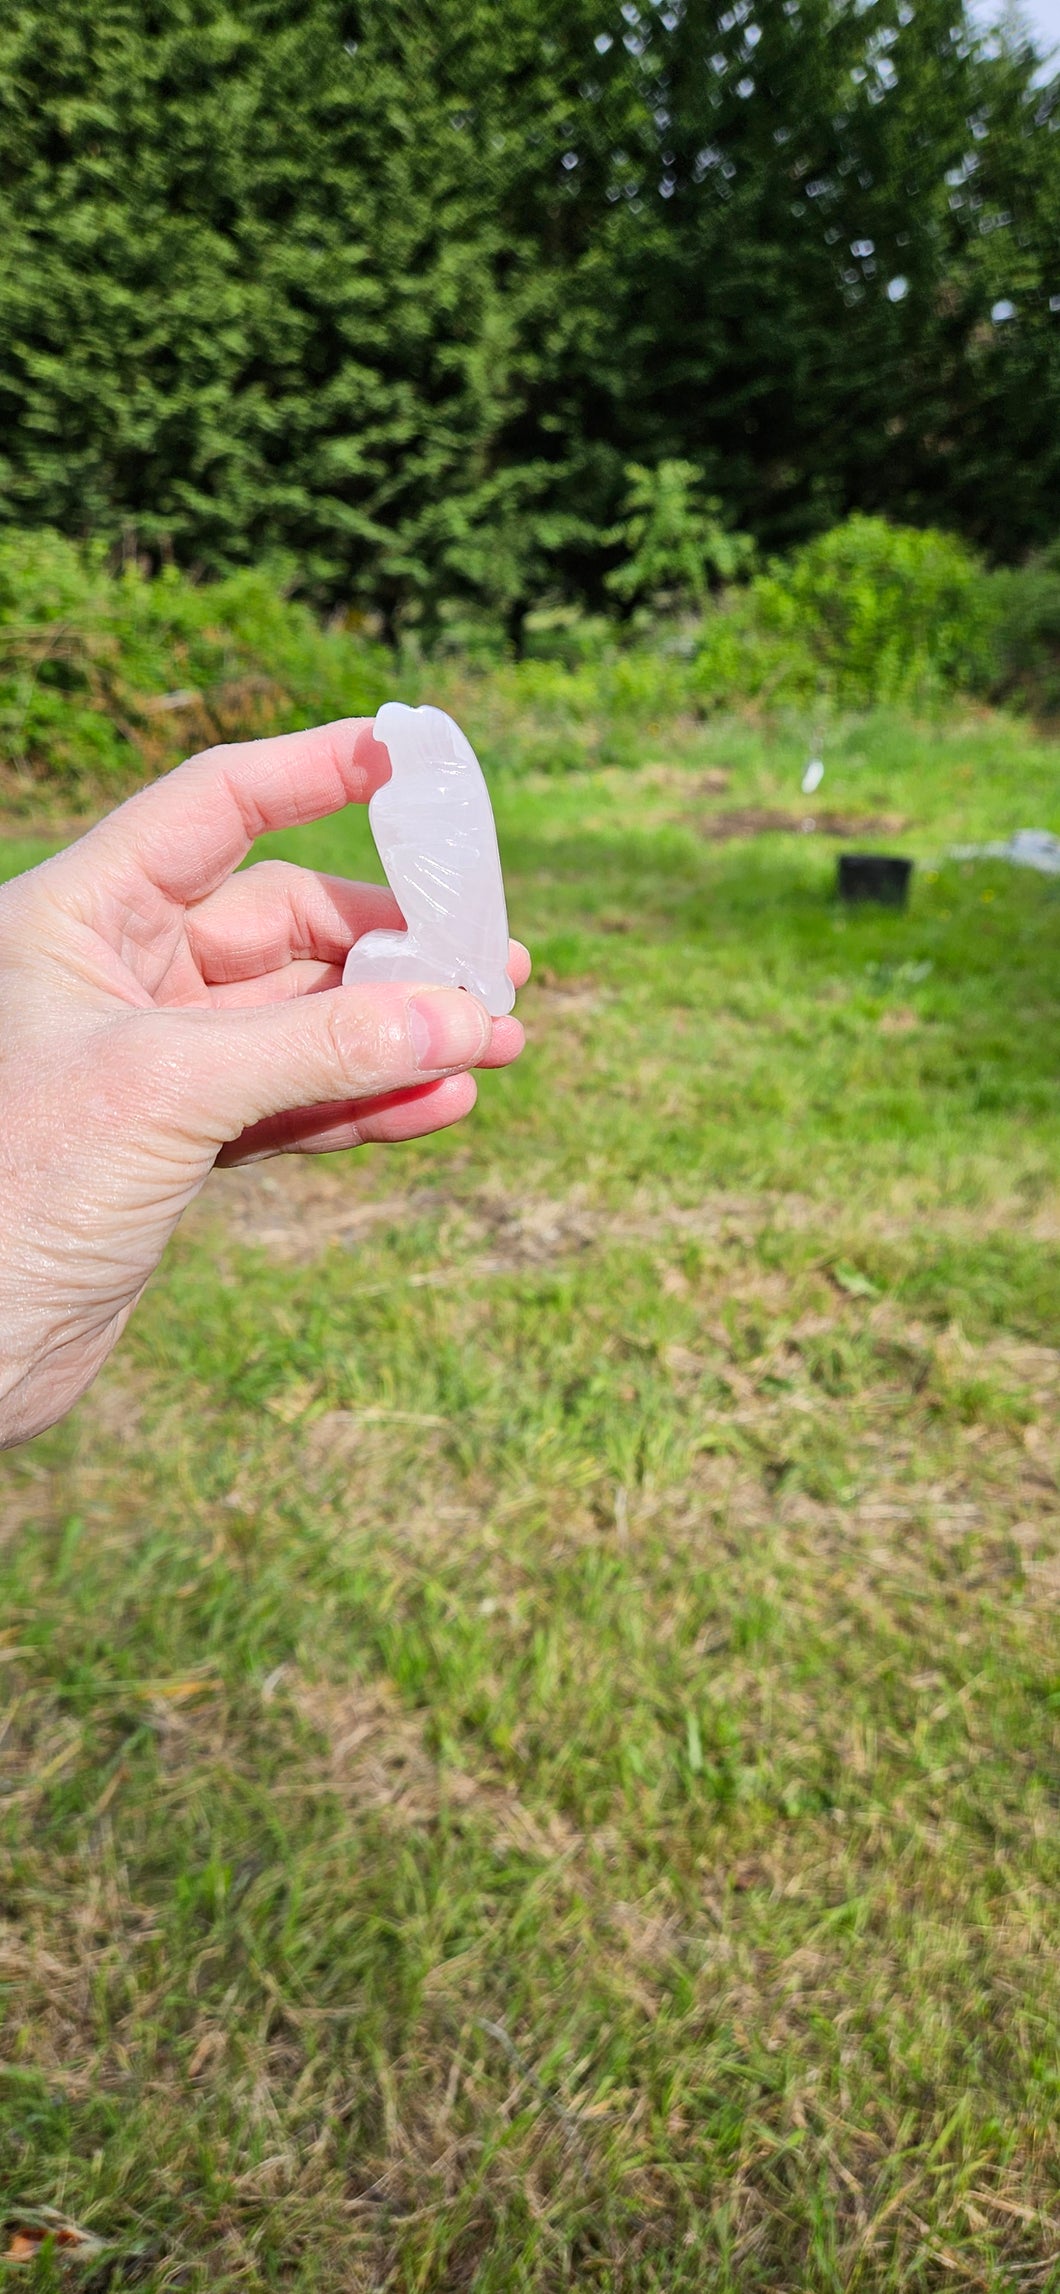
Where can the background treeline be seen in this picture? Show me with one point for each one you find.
(402, 288)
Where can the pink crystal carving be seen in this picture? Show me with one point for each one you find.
(434, 831)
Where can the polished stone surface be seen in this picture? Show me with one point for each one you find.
(433, 826)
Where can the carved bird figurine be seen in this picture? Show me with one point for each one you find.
(434, 831)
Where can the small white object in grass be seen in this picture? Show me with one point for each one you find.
(1027, 848)
(812, 777)
(434, 830)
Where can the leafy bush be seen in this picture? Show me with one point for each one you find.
(747, 654)
(888, 612)
(1024, 624)
(868, 612)
(548, 717)
(107, 678)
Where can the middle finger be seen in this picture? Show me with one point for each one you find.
(275, 914)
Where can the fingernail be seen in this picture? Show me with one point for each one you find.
(447, 1028)
(373, 756)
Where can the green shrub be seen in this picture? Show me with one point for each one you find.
(566, 634)
(106, 678)
(1023, 606)
(868, 612)
(546, 716)
(888, 612)
(746, 654)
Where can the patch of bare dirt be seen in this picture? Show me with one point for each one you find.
(339, 1434)
(376, 1755)
(569, 996)
(114, 1405)
(374, 1748)
(521, 1233)
(712, 783)
(295, 1209)
(762, 820)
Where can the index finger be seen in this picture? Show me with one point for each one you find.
(187, 832)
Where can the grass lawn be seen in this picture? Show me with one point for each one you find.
(531, 1723)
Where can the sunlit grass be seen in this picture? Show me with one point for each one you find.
(534, 1689)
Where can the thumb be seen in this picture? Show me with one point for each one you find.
(343, 1044)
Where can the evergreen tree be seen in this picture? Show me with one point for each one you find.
(402, 287)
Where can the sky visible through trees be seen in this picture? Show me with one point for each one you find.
(1041, 18)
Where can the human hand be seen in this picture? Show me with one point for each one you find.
(161, 1014)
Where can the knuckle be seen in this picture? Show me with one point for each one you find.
(345, 1039)
(271, 875)
(366, 1038)
(336, 1035)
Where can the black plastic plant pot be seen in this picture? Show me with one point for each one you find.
(879, 876)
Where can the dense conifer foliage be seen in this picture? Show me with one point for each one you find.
(403, 287)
